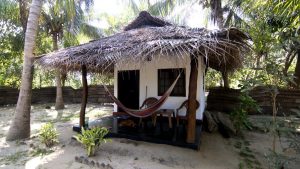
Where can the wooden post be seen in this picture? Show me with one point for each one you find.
(225, 79)
(191, 112)
(84, 96)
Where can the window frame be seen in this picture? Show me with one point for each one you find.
(171, 80)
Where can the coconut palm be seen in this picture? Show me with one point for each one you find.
(63, 20)
(216, 16)
(233, 18)
(20, 127)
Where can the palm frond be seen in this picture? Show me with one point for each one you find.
(132, 4)
(69, 39)
(9, 11)
(87, 3)
(90, 31)
(161, 8)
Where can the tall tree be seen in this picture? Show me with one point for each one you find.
(274, 28)
(288, 16)
(217, 13)
(224, 16)
(216, 18)
(23, 5)
(11, 44)
(20, 127)
(63, 20)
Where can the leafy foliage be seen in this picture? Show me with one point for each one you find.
(92, 139)
(11, 44)
(239, 116)
(276, 160)
(48, 135)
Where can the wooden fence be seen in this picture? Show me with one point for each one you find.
(97, 94)
(221, 99)
(288, 100)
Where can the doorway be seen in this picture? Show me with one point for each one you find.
(129, 88)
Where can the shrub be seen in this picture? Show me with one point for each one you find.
(239, 116)
(48, 135)
(92, 139)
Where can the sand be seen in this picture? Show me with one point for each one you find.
(216, 152)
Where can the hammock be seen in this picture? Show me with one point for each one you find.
(147, 111)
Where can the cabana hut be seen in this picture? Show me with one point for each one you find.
(148, 56)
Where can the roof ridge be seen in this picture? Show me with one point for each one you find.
(146, 19)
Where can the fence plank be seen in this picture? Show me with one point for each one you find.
(226, 100)
(47, 95)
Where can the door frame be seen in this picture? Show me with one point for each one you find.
(138, 81)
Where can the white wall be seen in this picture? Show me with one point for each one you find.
(148, 77)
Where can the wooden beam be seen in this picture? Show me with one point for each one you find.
(192, 105)
(84, 96)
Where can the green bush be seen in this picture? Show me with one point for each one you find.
(92, 139)
(239, 116)
(48, 135)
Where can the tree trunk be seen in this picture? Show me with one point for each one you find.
(225, 79)
(192, 105)
(257, 64)
(297, 70)
(217, 18)
(63, 78)
(59, 101)
(274, 109)
(217, 12)
(20, 127)
(84, 97)
(23, 11)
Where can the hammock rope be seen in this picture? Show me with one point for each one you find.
(141, 113)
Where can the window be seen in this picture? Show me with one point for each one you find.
(165, 79)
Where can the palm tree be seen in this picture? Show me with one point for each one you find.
(53, 22)
(63, 20)
(218, 20)
(20, 127)
(23, 5)
(216, 16)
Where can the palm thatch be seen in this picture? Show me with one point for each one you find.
(147, 37)
(145, 19)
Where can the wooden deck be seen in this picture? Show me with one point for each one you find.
(160, 134)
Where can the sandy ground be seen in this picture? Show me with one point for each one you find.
(215, 153)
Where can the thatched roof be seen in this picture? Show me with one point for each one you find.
(146, 20)
(146, 37)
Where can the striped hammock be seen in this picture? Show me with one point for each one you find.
(147, 111)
